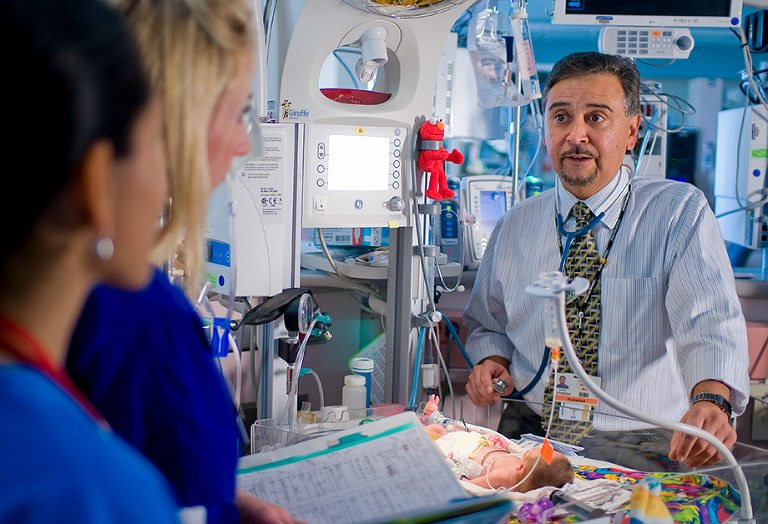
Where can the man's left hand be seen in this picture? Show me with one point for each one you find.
(694, 451)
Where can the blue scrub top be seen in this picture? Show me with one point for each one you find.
(144, 361)
(57, 465)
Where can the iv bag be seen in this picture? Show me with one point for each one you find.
(489, 42)
(488, 53)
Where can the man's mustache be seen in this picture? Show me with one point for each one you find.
(578, 151)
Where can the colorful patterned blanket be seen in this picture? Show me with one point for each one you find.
(690, 498)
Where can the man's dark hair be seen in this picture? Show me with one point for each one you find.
(592, 63)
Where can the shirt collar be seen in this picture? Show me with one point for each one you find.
(608, 200)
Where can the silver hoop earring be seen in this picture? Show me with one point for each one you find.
(104, 248)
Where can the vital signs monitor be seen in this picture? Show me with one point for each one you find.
(487, 198)
(650, 13)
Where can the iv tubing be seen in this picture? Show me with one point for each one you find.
(455, 335)
(416, 367)
(295, 382)
(239, 369)
(573, 359)
(443, 364)
(644, 144)
(520, 393)
(319, 385)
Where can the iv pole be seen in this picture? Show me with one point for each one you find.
(517, 120)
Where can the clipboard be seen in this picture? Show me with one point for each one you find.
(389, 470)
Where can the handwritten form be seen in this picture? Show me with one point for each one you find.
(378, 476)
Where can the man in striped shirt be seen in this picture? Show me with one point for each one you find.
(672, 338)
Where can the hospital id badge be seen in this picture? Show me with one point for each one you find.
(576, 401)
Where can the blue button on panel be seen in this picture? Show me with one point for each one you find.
(218, 253)
(756, 173)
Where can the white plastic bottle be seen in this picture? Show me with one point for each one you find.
(353, 395)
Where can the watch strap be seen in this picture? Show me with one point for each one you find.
(720, 400)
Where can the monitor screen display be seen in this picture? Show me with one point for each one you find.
(649, 13)
(493, 205)
(358, 163)
(685, 8)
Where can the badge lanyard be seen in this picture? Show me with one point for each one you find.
(18, 343)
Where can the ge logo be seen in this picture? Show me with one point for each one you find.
(264, 201)
(358, 204)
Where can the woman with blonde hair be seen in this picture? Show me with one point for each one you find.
(143, 357)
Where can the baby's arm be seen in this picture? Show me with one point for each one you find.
(481, 481)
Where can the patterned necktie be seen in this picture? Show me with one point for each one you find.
(583, 315)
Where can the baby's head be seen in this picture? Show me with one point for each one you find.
(511, 471)
(557, 474)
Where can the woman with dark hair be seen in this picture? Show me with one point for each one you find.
(84, 131)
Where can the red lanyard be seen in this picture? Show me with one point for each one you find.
(17, 342)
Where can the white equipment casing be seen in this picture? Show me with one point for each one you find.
(654, 161)
(408, 77)
(740, 167)
(256, 249)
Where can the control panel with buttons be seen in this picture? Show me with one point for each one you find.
(636, 42)
(355, 175)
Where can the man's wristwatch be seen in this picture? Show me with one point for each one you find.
(720, 400)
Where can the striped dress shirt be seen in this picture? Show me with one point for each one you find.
(670, 314)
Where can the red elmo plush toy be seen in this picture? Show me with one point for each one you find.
(431, 157)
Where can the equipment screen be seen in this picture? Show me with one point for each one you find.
(493, 205)
(358, 163)
(687, 8)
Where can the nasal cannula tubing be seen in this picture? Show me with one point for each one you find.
(554, 348)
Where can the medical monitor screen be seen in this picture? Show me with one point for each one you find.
(649, 7)
(660, 13)
(493, 205)
(358, 163)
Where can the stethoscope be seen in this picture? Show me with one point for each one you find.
(570, 236)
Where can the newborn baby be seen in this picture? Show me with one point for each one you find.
(492, 461)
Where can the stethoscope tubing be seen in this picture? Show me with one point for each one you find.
(570, 236)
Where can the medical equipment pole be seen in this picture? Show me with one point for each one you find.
(516, 152)
(552, 286)
(399, 278)
(517, 121)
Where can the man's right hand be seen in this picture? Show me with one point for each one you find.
(479, 387)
